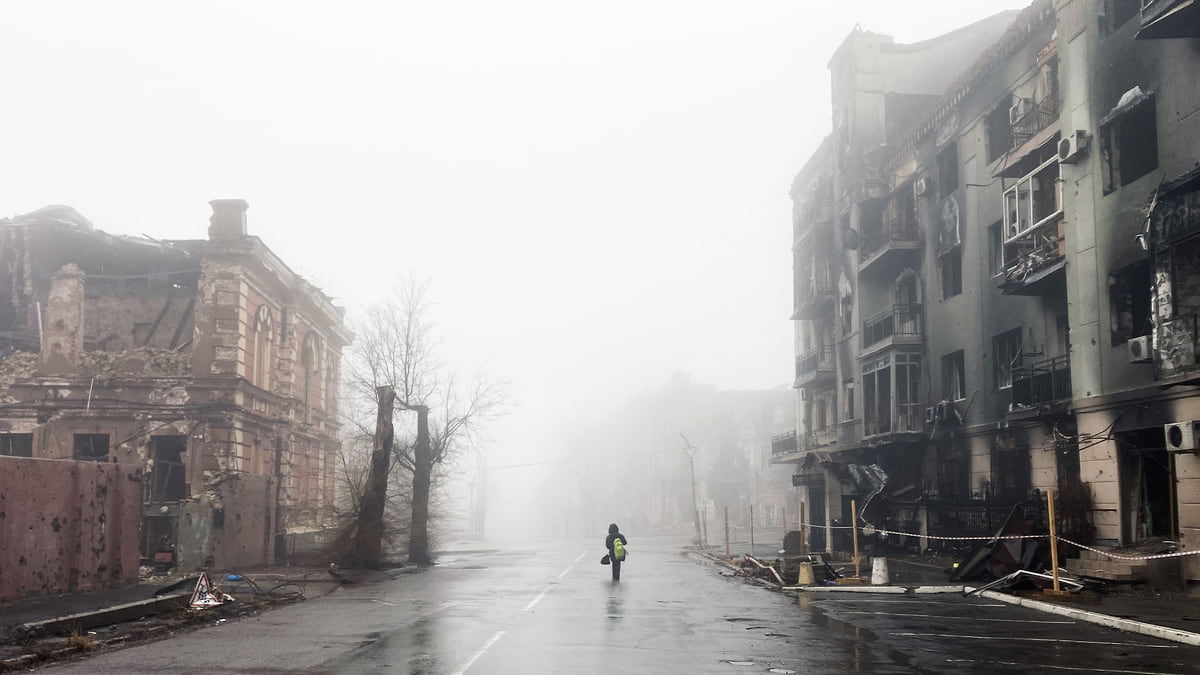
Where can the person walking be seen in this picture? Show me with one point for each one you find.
(615, 542)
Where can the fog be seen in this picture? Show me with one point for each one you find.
(597, 194)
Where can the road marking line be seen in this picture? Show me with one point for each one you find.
(1033, 639)
(569, 567)
(958, 618)
(486, 646)
(385, 602)
(1050, 666)
(536, 600)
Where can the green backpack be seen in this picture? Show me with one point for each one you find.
(618, 550)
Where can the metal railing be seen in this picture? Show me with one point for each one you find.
(895, 229)
(784, 444)
(899, 320)
(1041, 383)
(819, 359)
(1041, 115)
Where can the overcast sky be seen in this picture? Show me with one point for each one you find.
(598, 191)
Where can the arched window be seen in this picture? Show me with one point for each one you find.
(264, 335)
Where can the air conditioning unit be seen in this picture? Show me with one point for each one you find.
(1072, 148)
(1019, 110)
(1182, 435)
(922, 186)
(930, 413)
(803, 394)
(1139, 350)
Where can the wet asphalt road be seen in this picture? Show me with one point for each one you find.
(552, 608)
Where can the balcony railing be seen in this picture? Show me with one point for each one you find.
(1175, 342)
(1041, 115)
(895, 230)
(1043, 383)
(899, 320)
(784, 444)
(814, 361)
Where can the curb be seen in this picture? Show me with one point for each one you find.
(917, 590)
(1127, 625)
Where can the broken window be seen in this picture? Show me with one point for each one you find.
(951, 264)
(16, 445)
(91, 447)
(822, 421)
(954, 377)
(1006, 357)
(1011, 471)
(168, 482)
(849, 386)
(1114, 13)
(947, 163)
(996, 248)
(1129, 140)
(999, 129)
(1129, 292)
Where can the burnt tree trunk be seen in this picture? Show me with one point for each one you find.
(418, 543)
(367, 548)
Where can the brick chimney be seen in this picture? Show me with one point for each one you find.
(62, 329)
(228, 219)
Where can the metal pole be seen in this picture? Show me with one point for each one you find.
(1053, 538)
(691, 451)
(727, 531)
(854, 530)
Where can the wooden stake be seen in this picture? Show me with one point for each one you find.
(1053, 538)
(854, 530)
(803, 533)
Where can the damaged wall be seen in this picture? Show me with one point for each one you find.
(230, 525)
(67, 526)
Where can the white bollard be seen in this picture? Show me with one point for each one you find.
(879, 572)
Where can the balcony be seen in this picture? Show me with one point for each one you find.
(817, 216)
(1175, 350)
(784, 444)
(815, 366)
(1045, 383)
(814, 290)
(899, 325)
(1162, 19)
(897, 238)
(1034, 237)
(1039, 115)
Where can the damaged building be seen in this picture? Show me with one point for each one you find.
(207, 370)
(996, 285)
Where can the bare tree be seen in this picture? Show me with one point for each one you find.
(394, 351)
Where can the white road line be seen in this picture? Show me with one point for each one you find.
(385, 602)
(486, 646)
(536, 600)
(547, 588)
(909, 602)
(959, 618)
(1033, 639)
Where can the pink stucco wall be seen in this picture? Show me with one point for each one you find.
(67, 526)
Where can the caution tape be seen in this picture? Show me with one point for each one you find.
(1155, 556)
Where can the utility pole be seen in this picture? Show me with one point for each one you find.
(691, 453)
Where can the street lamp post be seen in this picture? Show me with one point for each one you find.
(691, 452)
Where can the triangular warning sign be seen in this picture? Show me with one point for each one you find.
(203, 596)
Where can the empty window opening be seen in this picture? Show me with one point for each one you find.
(954, 377)
(999, 129)
(16, 445)
(168, 481)
(91, 447)
(1006, 357)
(947, 163)
(996, 248)
(1129, 293)
(1114, 13)
(1129, 145)
(951, 265)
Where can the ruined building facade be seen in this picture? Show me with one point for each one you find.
(996, 281)
(207, 367)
